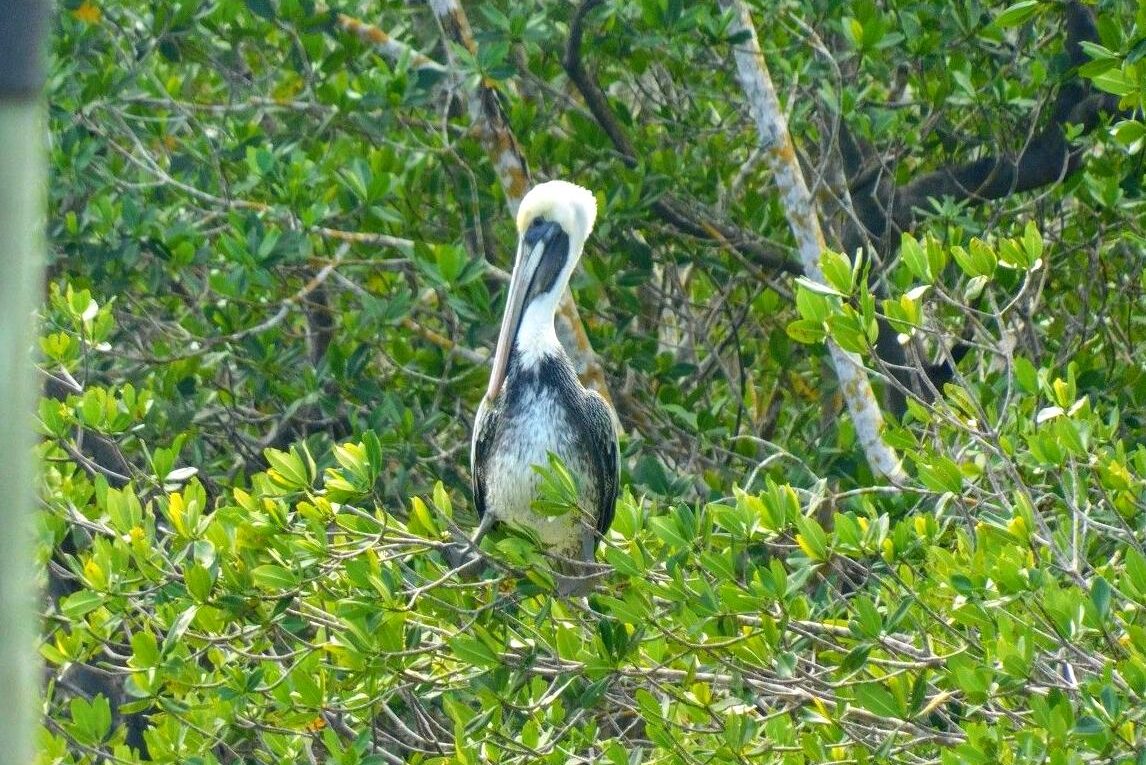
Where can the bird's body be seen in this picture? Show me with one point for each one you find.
(543, 411)
(535, 406)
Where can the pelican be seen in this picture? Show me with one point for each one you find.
(535, 405)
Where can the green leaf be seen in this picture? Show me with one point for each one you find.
(198, 580)
(627, 611)
(812, 539)
(941, 475)
(813, 305)
(984, 257)
(1032, 243)
(1026, 375)
(177, 629)
(1115, 81)
(868, 622)
(270, 576)
(875, 698)
(855, 659)
(915, 258)
(1135, 573)
(978, 261)
(806, 331)
(1100, 595)
(288, 469)
(849, 332)
(1129, 132)
(557, 492)
(91, 720)
(472, 650)
(76, 605)
(1018, 13)
(816, 288)
(837, 271)
(422, 521)
(144, 650)
(626, 563)
(668, 531)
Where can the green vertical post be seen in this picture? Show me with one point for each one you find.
(22, 197)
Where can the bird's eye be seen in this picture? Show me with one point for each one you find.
(537, 223)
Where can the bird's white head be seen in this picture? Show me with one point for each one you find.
(553, 222)
(572, 207)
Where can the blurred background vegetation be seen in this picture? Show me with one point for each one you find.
(280, 232)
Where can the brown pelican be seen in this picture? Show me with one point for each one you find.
(535, 405)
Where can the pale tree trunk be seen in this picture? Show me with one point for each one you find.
(22, 194)
(803, 218)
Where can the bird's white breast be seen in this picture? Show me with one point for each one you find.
(541, 425)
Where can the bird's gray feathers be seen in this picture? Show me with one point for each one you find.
(545, 410)
(602, 446)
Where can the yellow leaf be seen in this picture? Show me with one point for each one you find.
(920, 526)
(94, 574)
(88, 13)
(1018, 527)
(175, 510)
(808, 548)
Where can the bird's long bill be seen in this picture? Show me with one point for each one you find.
(514, 305)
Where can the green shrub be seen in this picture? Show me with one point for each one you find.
(274, 278)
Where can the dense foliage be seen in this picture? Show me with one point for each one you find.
(278, 263)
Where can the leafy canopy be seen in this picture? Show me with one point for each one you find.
(277, 268)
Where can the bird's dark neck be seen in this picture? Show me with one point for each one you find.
(551, 370)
